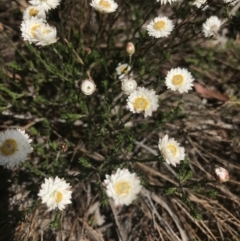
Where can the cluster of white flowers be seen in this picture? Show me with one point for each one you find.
(14, 149)
(34, 27)
(123, 71)
(139, 99)
(122, 186)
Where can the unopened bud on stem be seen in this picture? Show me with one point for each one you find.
(130, 48)
(221, 174)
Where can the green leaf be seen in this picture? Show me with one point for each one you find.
(9, 92)
(84, 162)
(56, 223)
(71, 117)
(14, 65)
(171, 190)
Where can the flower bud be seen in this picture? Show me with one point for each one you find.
(88, 86)
(221, 174)
(129, 85)
(130, 48)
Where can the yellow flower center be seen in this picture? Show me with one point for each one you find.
(159, 25)
(172, 149)
(140, 103)
(104, 4)
(46, 31)
(177, 79)
(124, 69)
(122, 188)
(9, 147)
(33, 30)
(33, 12)
(58, 196)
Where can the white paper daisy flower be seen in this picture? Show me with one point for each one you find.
(142, 100)
(211, 26)
(88, 87)
(14, 147)
(123, 70)
(45, 35)
(166, 1)
(45, 4)
(200, 4)
(29, 28)
(171, 150)
(129, 85)
(34, 11)
(104, 6)
(55, 193)
(231, 2)
(179, 79)
(123, 186)
(160, 27)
